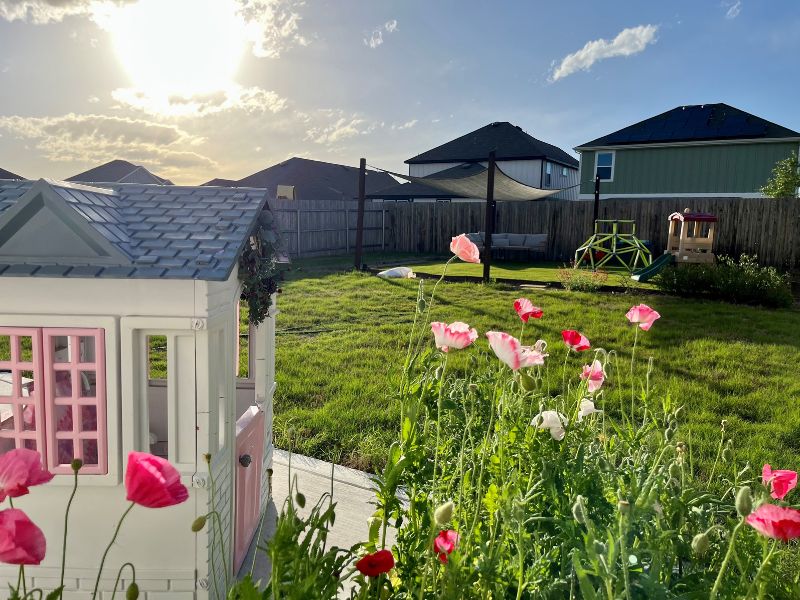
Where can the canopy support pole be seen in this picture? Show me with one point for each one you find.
(596, 198)
(362, 176)
(489, 219)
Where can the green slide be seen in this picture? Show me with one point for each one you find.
(653, 269)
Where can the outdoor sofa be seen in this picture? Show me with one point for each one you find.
(505, 242)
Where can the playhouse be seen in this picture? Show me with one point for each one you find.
(691, 236)
(93, 282)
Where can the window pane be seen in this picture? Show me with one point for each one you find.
(28, 417)
(7, 444)
(5, 347)
(65, 452)
(89, 418)
(5, 383)
(604, 173)
(86, 349)
(7, 417)
(549, 168)
(63, 418)
(157, 357)
(89, 452)
(25, 349)
(26, 383)
(63, 384)
(29, 444)
(61, 352)
(604, 159)
(88, 384)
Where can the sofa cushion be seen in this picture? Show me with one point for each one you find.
(516, 239)
(535, 240)
(500, 241)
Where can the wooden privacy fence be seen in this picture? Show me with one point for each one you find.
(767, 227)
(322, 227)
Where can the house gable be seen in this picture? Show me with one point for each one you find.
(42, 228)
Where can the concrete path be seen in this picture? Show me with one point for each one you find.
(351, 493)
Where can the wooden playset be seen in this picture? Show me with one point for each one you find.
(90, 279)
(691, 236)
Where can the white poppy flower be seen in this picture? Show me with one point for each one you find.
(552, 420)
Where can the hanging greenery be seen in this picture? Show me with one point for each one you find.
(257, 270)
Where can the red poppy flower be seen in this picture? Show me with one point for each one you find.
(20, 469)
(374, 564)
(21, 541)
(445, 543)
(575, 340)
(153, 482)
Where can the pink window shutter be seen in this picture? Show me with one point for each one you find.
(21, 397)
(75, 399)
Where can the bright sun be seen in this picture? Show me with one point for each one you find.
(178, 47)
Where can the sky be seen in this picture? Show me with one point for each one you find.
(197, 89)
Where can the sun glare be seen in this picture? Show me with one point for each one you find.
(178, 47)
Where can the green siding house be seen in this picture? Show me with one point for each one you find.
(708, 150)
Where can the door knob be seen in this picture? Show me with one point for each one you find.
(245, 460)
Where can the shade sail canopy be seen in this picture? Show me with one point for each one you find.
(474, 183)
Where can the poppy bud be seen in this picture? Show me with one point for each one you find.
(700, 544)
(207, 458)
(301, 500)
(744, 501)
(669, 434)
(527, 382)
(600, 547)
(421, 305)
(678, 412)
(438, 373)
(624, 507)
(199, 523)
(76, 464)
(473, 387)
(132, 593)
(675, 470)
(727, 454)
(579, 510)
(444, 514)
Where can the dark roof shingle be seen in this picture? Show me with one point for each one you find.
(508, 141)
(700, 122)
(9, 175)
(119, 171)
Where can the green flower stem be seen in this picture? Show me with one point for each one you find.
(623, 533)
(108, 548)
(633, 356)
(431, 301)
(119, 574)
(66, 524)
(726, 560)
(750, 592)
(438, 422)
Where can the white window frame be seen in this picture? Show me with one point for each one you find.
(564, 171)
(548, 173)
(613, 154)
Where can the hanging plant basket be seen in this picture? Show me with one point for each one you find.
(257, 270)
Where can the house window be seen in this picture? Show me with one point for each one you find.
(548, 173)
(53, 396)
(605, 166)
(563, 171)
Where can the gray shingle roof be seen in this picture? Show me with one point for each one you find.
(153, 232)
(312, 179)
(9, 175)
(508, 141)
(119, 171)
(699, 122)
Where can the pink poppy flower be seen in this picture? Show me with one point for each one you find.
(776, 522)
(464, 249)
(21, 541)
(445, 543)
(779, 481)
(594, 376)
(509, 350)
(526, 310)
(153, 482)
(643, 316)
(457, 335)
(20, 469)
(575, 340)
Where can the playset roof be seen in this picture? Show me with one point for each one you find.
(692, 216)
(119, 231)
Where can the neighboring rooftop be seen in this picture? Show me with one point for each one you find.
(58, 229)
(9, 175)
(312, 180)
(119, 171)
(508, 141)
(700, 122)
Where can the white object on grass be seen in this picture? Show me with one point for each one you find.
(397, 273)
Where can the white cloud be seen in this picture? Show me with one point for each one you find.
(406, 125)
(375, 38)
(93, 99)
(100, 138)
(328, 127)
(628, 42)
(250, 100)
(272, 26)
(734, 8)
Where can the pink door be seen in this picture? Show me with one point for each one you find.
(249, 462)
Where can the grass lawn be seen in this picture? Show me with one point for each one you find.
(342, 338)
